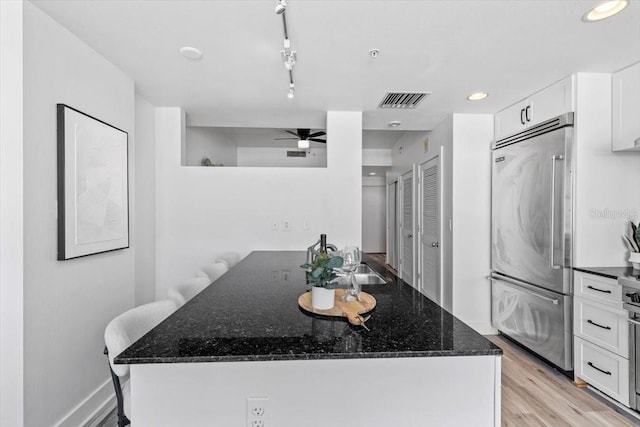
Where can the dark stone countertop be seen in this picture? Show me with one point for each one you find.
(611, 272)
(251, 314)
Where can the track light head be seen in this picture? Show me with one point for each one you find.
(292, 91)
(281, 6)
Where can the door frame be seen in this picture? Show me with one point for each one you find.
(412, 226)
(418, 221)
(393, 179)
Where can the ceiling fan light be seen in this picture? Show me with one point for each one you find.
(281, 6)
(303, 144)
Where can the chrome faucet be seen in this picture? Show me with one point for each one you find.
(312, 252)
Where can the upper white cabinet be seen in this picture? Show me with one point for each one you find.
(626, 109)
(550, 102)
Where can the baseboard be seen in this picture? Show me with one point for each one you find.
(92, 409)
(483, 328)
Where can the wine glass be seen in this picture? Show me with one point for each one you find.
(351, 256)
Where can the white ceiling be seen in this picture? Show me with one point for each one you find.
(449, 48)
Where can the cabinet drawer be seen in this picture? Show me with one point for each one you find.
(597, 288)
(603, 370)
(602, 325)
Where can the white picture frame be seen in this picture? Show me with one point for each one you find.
(93, 183)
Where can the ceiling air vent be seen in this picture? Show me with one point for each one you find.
(296, 154)
(402, 99)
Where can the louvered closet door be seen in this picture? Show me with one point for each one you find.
(407, 263)
(429, 217)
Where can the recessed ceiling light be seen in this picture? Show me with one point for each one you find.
(604, 10)
(394, 124)
(477, 96)
(372, 173)
(191, 52)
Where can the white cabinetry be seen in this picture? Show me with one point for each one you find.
(550, 102)
(626, 109)
(601, 335)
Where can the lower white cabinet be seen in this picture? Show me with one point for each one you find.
(601, 335)
(602, 369)
(601, 325)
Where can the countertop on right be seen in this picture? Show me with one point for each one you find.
(611, 272)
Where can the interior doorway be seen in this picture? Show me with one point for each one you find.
(407, 231)
(393, 252)
(430, 229)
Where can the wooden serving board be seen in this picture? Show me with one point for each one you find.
(352, 310)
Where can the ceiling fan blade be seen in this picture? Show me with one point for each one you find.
(316, 134)
(293, 133)
(324, 141)
(281, 139)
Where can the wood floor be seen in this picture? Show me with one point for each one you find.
(535, 395)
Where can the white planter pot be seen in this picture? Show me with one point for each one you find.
(634, 259)
(321, 298)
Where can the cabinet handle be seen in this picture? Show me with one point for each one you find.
(552, 260)
(522, 116)
(598, 369)
(526, 113)
(591, 322)
(599, 290)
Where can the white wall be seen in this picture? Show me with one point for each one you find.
(235, 209)
(277, 157)
(67, 304)
(376, 157)
(209, 142)
(606, 190)
(11, 211)
(145, 201)
(374, 215)
(472, 136)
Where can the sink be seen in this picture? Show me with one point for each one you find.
(364, 275)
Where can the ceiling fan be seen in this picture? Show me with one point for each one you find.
(304, 136)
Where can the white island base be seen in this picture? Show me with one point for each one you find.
(387, 392)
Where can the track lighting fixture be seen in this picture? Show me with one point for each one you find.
(288, 55)
(281, 6)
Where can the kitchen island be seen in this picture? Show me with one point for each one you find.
(245, 336)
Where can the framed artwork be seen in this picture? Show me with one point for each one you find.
(93, 182)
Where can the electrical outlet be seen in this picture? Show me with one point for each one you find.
(258, 411)
(286, 225)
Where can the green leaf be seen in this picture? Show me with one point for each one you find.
(317, 272)
(331, 285)
(335, 262)
(306, 265)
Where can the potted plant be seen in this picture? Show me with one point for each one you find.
(321, 277)
(632, 239)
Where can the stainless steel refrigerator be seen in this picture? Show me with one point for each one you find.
(531, 239)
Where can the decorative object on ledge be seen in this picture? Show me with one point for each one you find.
(93, 196)
(632, 239)
(207, 162)
(352, 310)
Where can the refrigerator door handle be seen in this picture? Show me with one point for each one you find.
(552, 263)
(554, 301)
